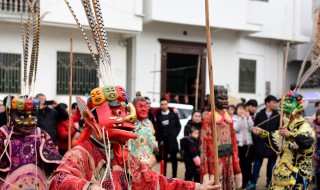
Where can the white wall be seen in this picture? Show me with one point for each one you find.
(228, 46)
(223, 13)
(58, 39)
(116, 13)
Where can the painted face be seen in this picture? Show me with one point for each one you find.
(14, 102)
(292, 103)
(28, 105)
(20, 104)
(142, 109)
(122, 94)
(221, 97)
(110, 93)
(117, 122)
(97, 96)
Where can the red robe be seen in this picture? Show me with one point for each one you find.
(227, 147)
(84, 165)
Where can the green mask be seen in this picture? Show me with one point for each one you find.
(110, 93)
(292, 103)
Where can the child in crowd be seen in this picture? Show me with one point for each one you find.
(191, 155)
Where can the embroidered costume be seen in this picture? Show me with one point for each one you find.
(293, 171)
(230, 172)
(144, 145)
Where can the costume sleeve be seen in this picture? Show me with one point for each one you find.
(304, 137)
(73, 172)
(144, 177)
(206, 147)
(235, 157)
(271, 138)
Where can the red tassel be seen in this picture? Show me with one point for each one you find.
(162, 167)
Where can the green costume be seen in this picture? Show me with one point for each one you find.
(293, 171)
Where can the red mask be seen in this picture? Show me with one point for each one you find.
(142, 109)
(122, 94)
(116, 119)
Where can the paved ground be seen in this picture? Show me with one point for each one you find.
(261, 182)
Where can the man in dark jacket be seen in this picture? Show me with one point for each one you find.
(168, 129)
(48, 118)
(261, 150)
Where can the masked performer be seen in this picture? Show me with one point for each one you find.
(230, 171)
(144, 145)
(101, 161)
(294, 142)
(28, 154)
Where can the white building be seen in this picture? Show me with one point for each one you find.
(156, 45)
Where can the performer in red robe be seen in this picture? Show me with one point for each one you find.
(230, 172)
(101, 161)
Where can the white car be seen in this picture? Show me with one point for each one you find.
(185, 112)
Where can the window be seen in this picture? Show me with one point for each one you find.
(84, 73)
(247, 76)
(10, 72)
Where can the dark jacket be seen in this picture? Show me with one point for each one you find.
(260, 147)
(48, 119)
(189, 125)
(3, 118)
(169, 133)
(190, 149)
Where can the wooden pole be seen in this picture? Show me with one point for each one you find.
(197, 83)
(211, 83)
(70, 95)
(284, 82)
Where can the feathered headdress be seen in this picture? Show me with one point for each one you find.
(95, 20)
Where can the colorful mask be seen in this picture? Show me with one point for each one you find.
(20, 104)
(23, 114)
(293, 103)
(110, 93)
(97, 96)
(109, 119)
(14, 102)
(221, 97)
(142, 109)
(122, 94)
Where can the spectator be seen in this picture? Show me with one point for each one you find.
(48, 118)
(251, 107)
(150, 116)
(231, 110)
(3, 115)
(194, 122)
(168, 129)
(191, 154)
(313, 117)
(2, 108)
(242, 125)
(261, 150)
(63, 130)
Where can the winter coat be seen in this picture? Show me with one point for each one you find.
(169, 133)
(190, 149)
(189, 125)
(48, 119)
(261, 149)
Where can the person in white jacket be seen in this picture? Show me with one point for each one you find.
(242, 125)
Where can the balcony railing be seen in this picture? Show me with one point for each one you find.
(13, 6)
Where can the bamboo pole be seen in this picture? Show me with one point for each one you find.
(211, 83)
(70, 95)
(284, 82)
(197, 83)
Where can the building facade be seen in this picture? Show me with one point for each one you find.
(157, 46)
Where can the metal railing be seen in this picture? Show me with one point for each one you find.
(13, 6)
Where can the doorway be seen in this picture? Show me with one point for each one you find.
(180, 62)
